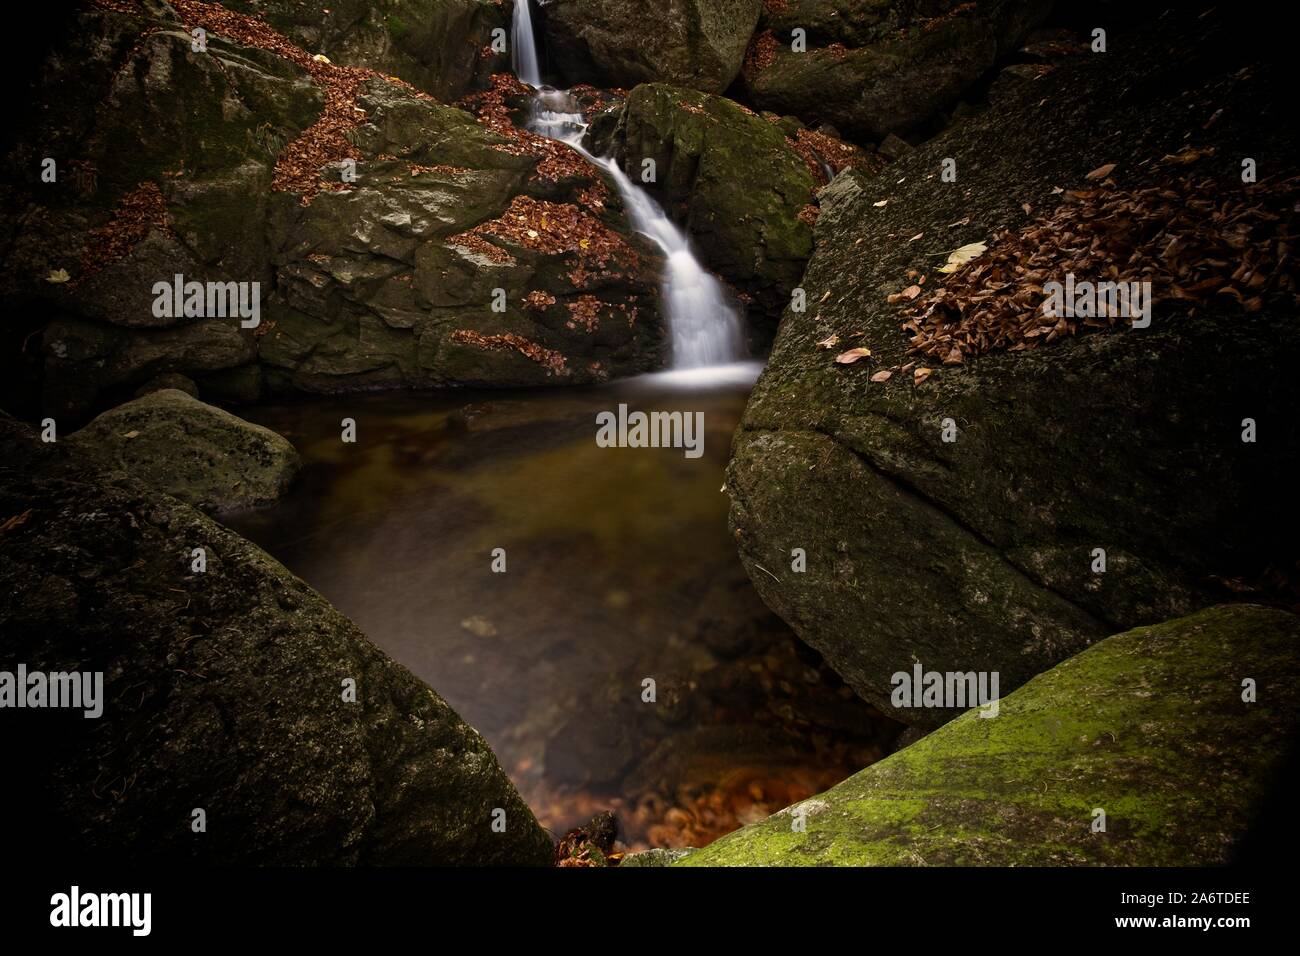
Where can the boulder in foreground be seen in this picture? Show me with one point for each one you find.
(202, 455)
(225, 691)
(1148, 726)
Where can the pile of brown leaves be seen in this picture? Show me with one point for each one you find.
(539, 300)
(818, 148)
(139, 211)
(557, 228)
(584, 311)
(553, 361)
(761, 53)
(1192, 240)
(416, 169)
(298, 168)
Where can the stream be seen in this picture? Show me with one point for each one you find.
(621, 660)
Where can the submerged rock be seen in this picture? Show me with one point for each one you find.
(202, 455)
(954, 521)
(238, 692)
(1148, 727)
(694, 43)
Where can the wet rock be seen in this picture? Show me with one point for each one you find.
(224, 691)
(202, 455)
(978, 554)
(692, 43)
(872, 68)
(1148, 726)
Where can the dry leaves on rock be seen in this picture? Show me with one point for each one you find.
(1193, 241)
(554, 362)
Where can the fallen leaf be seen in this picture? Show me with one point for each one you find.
(852, 355)
(883, 202)
(882, 376)
(132, 434)
(916, 237)
(921, 374)
(963, 255)
(57, 276)
(829, 342)
(1101, 172)
(1187, 155)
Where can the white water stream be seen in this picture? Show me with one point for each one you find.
(703, 322)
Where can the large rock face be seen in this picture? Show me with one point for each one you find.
(694, 43)
(202, 455)
(396, 241)
(442, 46)
(224, 691)
(872, 67)
(979, 553)
(732, 179)
(1148, 726)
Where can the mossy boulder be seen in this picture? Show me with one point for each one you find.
(872, 67)
(732, 179)
(201, 455)
(226, 691)
(226, 166)
(694, 43)
(979, 553)
(444, 47)
(1148, 726)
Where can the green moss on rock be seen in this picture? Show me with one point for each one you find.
(1148, 726)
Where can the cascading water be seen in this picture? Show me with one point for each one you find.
(523, 45)
(703, 323)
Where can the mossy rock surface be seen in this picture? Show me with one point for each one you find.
(978, 554)
(223, 690)
(1148, 726)
(202, 455)
(620, 43)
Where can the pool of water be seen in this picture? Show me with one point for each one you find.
(618, 571)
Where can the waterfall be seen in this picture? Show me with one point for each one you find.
(703, 324)
(523, 44)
